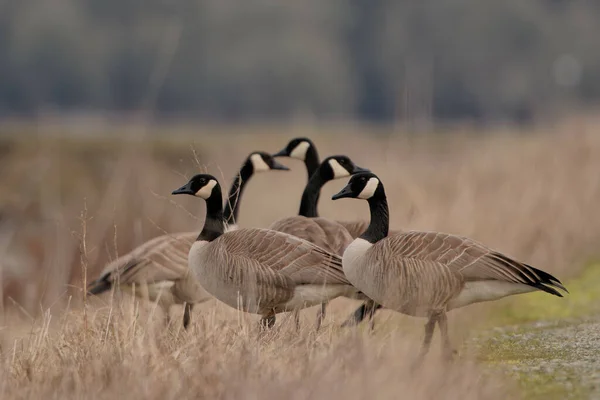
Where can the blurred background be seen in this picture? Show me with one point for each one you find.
(479, 115)
(229, 60)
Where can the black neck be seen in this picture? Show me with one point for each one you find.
(214, 223)
(311, 161)
(232, 206)
(380, 219)
(310, 196)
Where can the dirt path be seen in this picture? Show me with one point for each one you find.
(559, 360)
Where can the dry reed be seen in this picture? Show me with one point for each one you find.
(532, 196)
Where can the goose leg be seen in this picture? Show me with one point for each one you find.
(429, 328)
(267, 321)
(187, 310)
(368, 307)
(167, 314)
(167, 318)
(447, 349)
(321, 315)
(373, 307)
(357, 316)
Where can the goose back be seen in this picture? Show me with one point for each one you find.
(413, 272)
(259, 270)
(328, 235)
(160, 259)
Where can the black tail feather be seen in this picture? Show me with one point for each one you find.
(100, 285)
(547, 282)
(547, 289)
(548, 279)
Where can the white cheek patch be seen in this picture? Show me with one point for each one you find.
(206, 190)
(300, 150)
(369, 189)
(258, 164)
(338, 170)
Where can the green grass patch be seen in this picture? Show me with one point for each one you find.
(539, 368)
(551, 385)
(542, 369)
(582, 300)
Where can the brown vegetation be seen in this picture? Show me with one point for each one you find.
(533, 196)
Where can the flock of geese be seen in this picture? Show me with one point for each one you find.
(307, 260)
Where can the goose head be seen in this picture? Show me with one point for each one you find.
(364, 185)
(201, 185)
(260, 161)
(336, 167)
(297, 148)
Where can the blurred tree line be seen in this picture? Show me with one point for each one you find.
(381, 60)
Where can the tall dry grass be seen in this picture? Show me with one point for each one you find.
(533, 196)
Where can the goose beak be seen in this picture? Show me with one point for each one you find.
(281, 153)
(185, 189)
(345, 192)
(279, 166)
(358, 169)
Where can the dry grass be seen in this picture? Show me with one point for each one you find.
(532, 196)
(222, 357)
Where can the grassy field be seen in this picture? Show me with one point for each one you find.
(70, 205)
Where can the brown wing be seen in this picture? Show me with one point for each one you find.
(471, 260)
(164, 258)
(277, 252)
(410, 285)
(328, 235)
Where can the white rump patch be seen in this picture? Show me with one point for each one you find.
(206, 190)
(369, 189)
(475, 292)
(258, 163)
(338, 170)
(300, 150)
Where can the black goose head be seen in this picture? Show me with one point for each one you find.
(260, 161)
(364, 185)
(201, 185)
(336, 167)
(296, 148)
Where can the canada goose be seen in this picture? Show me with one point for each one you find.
(427, 274)
(259, 271)
(304, 149)
(325, 233)
(158, 269)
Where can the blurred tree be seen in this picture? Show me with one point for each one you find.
(378, 60)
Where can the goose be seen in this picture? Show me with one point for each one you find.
(303, 149)
(259, 271)
(158, 269)
(327, 234)
(427, 274)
